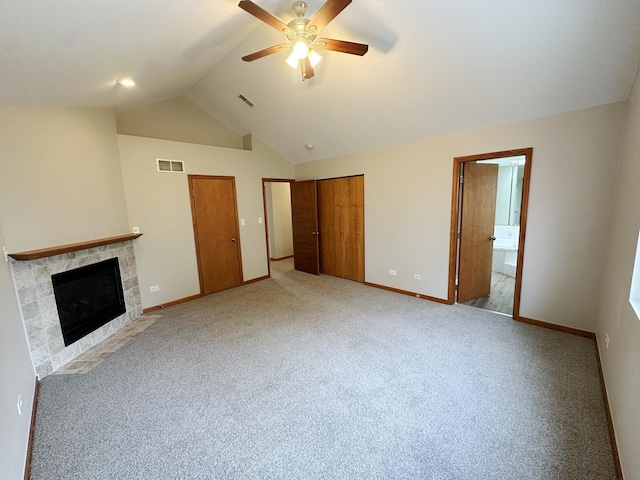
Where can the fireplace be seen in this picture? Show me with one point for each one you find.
(33, 274)
(87, 298)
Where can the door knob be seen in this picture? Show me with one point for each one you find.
(315, 233)
(492, 238)
(234, 240)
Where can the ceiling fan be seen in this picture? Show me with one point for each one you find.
(302, 35)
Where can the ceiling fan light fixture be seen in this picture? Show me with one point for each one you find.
(302, 33)
(301, 49)
(292, 60)
(314, 57)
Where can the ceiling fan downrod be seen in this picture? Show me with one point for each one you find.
(300, 9)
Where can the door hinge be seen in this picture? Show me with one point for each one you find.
(459, 235)
(461, 178)
(456, 288)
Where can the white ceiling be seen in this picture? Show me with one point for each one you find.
(433, 67)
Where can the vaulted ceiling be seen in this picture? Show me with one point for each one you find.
(433, 67)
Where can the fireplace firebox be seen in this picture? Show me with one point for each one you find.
(87, 298)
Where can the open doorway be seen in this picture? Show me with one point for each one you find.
(488, 230)
(277, 212)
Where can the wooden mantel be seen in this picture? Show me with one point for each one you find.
(71, 247)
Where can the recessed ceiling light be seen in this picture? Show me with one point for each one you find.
(126, 82)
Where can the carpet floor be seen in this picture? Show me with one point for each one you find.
(315, 377)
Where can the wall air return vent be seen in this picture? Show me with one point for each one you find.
(171, 166)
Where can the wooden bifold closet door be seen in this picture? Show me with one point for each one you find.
(341, 227)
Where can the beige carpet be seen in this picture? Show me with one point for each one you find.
(305, 377)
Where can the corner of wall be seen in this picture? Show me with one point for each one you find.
(247, 143)
(18, 381)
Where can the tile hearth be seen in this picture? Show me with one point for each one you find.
(98, 353)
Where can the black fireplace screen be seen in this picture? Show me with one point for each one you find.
(87, 298)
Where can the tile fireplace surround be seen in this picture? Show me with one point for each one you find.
(33, 284)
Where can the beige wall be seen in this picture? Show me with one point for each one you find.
(408, 205)
(621, 360)
(17, 377)
(177, 119)
(279, 212)
(61, 180)
(159, 204)
(60, 183)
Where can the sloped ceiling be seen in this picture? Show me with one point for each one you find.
(433, 67)
(71, 52)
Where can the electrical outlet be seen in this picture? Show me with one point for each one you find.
(242, 222)
(260, 220)
(606, 340)
(155, 288)
(19, 404)
(417, 276)
(135, 229)
(393, 272)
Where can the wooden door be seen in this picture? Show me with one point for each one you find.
(341, 222)
(304, 217)
(215, 225)
(477, 222)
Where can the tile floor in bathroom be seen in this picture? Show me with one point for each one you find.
(501, 298)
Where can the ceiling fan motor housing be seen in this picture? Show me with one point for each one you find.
(298, 26)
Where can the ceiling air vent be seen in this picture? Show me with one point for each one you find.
(245, 100)
(171, 166)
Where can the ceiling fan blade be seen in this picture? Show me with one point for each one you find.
(307, 69)
(250, 7)
(342, 46)
(267, 51)
(327, 12)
